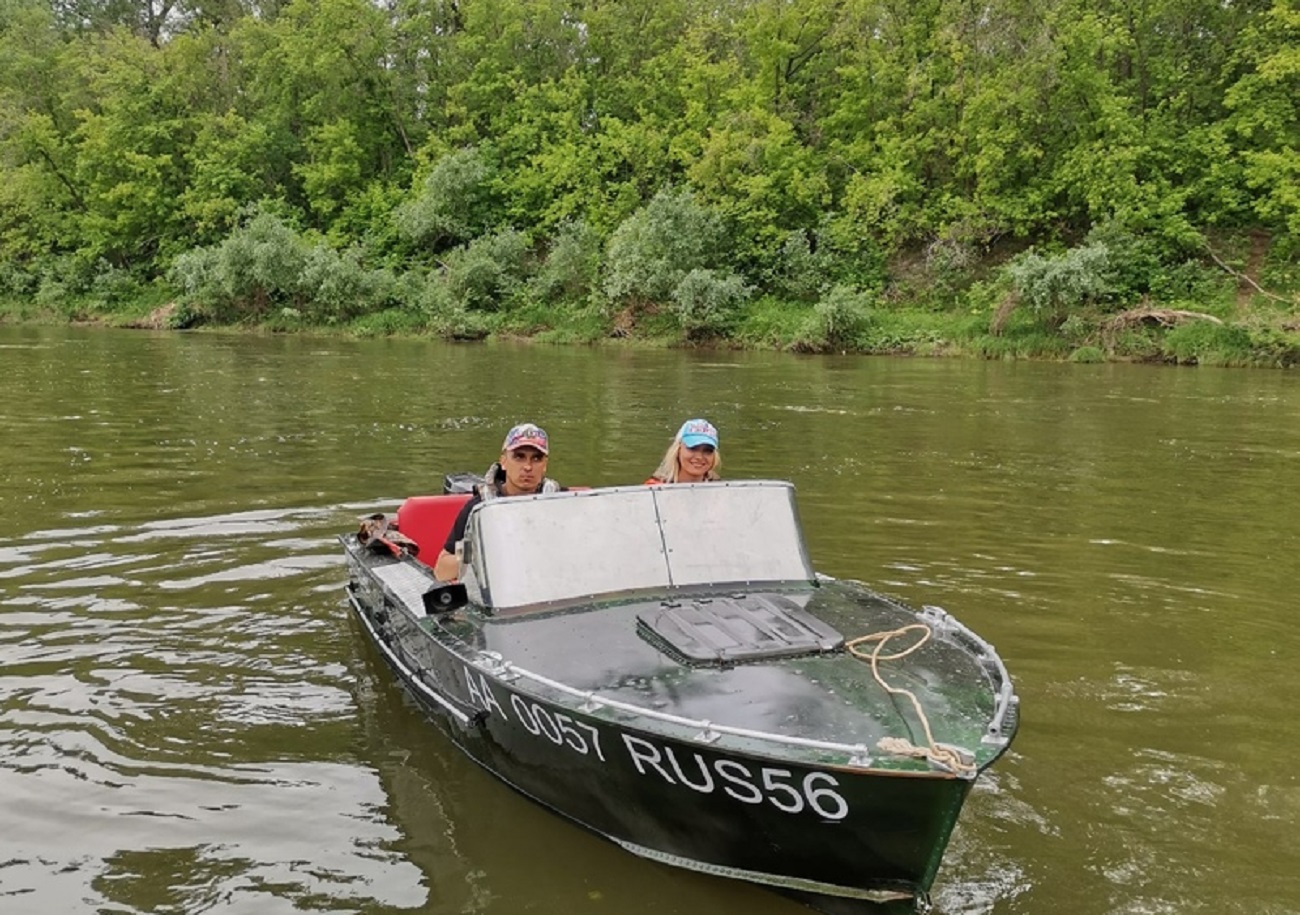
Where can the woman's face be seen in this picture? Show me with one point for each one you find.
(694, 463)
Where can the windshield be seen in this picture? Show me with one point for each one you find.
(564, 546)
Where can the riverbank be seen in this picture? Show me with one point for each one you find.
(1148, 335)
(1239, 312)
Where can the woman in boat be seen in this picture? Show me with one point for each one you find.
(692, 457)
(520, 470)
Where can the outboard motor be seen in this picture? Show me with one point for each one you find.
(463, 482)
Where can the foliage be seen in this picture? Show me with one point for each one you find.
(1052, 285)
(1205, 343)
(701, 169)
(486, 274)
(837, 322)
(389, 322)
(337, 286)
(1139, 264)
(706, 301)
(572, 267)
(455, 203)
(1265, 114)
(799, 272)
(654, 249)
(770, 322)
(1085, 354)
(265, 267)
(256, 266)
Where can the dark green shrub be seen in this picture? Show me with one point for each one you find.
(1145, 264)
(64, 279)
(1208, 343)
(390, 321)
(800, 273)
(17, 280)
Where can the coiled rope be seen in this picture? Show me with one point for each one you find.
(944, 756)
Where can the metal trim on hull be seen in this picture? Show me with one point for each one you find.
(407, 675)
(709, 732)
(799, 884)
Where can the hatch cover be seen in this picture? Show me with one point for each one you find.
(729, 630)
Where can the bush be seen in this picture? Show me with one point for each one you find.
(1144, 264)
(706, 301)
(336, 287)
(266, 270)
(800, 273)
(1087, 354)
(389, 322)
(488, 273)
(258, 265)
(62, 278)
(455, 204)
(651, 252)
(837, 321)
(1051, 286)
(573, 265)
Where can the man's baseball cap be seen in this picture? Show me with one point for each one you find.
(527, 435)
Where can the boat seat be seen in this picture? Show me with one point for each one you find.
(427, 520)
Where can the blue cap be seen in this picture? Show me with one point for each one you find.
(695, 432)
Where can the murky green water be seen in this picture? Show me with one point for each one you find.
(191, 723)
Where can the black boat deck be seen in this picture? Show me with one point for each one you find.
(814, 695)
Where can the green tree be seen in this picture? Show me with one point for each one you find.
(1265, 119)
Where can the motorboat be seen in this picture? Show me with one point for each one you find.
(663, 665)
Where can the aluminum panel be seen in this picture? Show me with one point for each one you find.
(530, 550)
(732, 532)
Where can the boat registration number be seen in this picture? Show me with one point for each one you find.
(814, 792)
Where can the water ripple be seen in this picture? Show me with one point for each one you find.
(182, 687)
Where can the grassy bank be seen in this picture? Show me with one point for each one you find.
(1237, 304)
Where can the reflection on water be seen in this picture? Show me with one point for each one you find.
(175, 736)
(191, 723)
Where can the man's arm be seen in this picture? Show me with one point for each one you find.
(447, 566)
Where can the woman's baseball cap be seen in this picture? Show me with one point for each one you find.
(696, 432)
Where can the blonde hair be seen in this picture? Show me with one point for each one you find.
(666, 472)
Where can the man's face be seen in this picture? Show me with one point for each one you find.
(525, 469)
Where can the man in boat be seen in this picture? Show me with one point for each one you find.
(520, 471)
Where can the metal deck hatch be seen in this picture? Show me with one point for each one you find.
(729, 630)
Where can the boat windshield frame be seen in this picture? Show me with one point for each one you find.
(553, 549)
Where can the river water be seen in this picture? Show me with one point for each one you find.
(191, 723)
